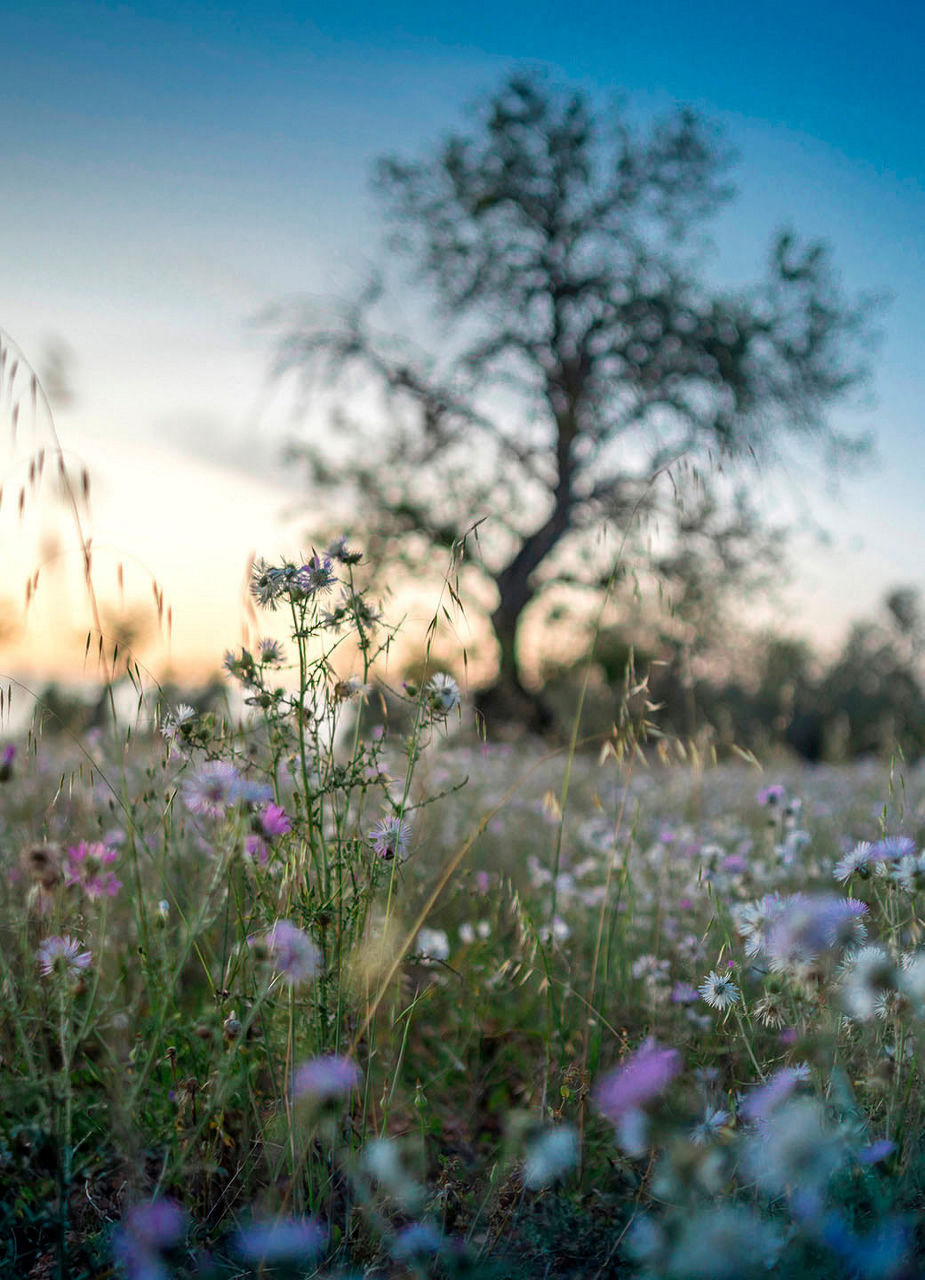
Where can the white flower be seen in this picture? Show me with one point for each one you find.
(432, 944)
(712, 1124)
(856, 860)
(550, 1155)
(442, 694)
(718, 991)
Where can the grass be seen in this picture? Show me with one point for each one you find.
(336, 985)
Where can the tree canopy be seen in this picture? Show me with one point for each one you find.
(584, 350)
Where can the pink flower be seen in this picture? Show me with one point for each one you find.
(642, 1077)
(85, 867)
(274, 821)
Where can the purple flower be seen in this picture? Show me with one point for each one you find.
(771, 796)
(147, 1231)
(874, 1152)
(7, 756)
(762, 1100)
(85, 867)
(316, 575)
(684, 993)
(255, 848)
(274, 821)
(325, 1078)
(416, 1240)
(891, 847)
(642, 1077)
(281, 1240)
(62, 954)
(292, 951)
(211, 789)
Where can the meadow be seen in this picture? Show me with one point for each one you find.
(340, 984)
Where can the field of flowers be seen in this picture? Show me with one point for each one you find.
(342, 986)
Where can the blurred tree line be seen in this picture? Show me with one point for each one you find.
(776, 693)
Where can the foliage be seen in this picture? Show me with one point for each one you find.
(589, 371)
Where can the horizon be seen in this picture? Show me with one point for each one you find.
(177, 170)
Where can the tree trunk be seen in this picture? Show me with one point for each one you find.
(507, 700)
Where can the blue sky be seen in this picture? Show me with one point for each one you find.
(169, 170)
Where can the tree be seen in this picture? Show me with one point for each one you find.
(587, 353)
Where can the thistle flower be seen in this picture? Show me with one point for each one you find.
(711, 1126)
(7, 756)
(280, 1240)
(550, 1155)
(719, 991)
(642, 1077)
(86, 867)
(147, 1232)
(268, 584)
(211, 789)
(62, 955)
(271, 652)
(390, 838)
(442, 694)
(273, 821)
(324, 1079)
(315, 576)
(42, 863)
(339, 551)
(177, 722)
(432, 945)
(866, 976)
(855, 862)
(292, 951)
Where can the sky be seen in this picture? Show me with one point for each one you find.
(170, 171)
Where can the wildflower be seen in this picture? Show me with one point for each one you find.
(432, 944)
(281, 1240)
(772, 796)
(382, 1160)
(795, 1149)
(269, 584)
(710, 1127)
(62, 955)
(442, 694)
(147, 1232)
(684, 993)
(874, 1152)
(892, 848)
(642, 1077)
(256, 850)
(760, 1102)
(843, 924)
(754, 921)
(419, 1239)
(315, 576)
(718, 991)
(867, 974)
(273, 821)
(271, 652)
(7, 756)
(42, 863)
(293, 952)
(390, 838)
(856, 862)
(324, 1079)
(176, 723)
(86, 866)
(211, 789)
(339, 551)
(725, 1241)
(771, 1010)
(550, 1155)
